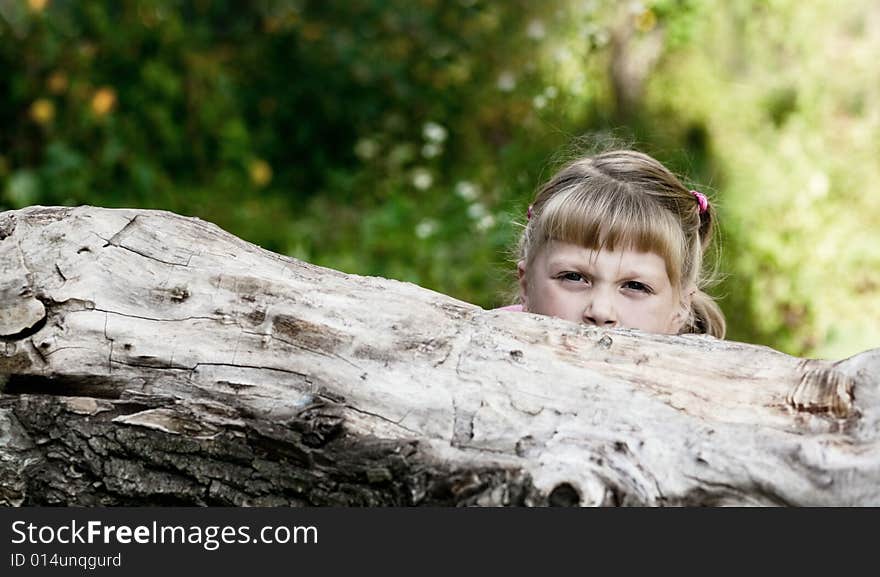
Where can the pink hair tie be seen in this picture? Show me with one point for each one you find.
(529, 213)
(701, 200)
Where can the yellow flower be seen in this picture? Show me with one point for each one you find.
(312, 31)
(42, 111)
(57, 82)
(103, 101)
(261, 172)
(646, 21)
(37, 5)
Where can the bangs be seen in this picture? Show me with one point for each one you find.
(612, 217)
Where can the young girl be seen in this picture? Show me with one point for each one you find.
(615, 240)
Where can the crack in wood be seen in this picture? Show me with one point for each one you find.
(28, 331)
(144, 255)
(158, 320)
(254, 367)
(123, 229)
(380, 417)
(101, 387)
(159, 364)
(729, 493)
(43, 358)
(326, 354)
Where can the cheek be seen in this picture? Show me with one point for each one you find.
(541, 297)
(547, 299)
(653, 316)
(669, 319)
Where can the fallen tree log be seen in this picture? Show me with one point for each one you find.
(151, 359)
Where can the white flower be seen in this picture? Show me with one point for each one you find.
(401, 154)
(819, 185)
(486, 222)
(536, 30)
(477, 211)
(636, 7)
(506, 82)
(539, 101)
(551, 92)
(366, 148)
(467, 190)
(431, 150)
(434, 132)
(422, 179)
(426, 228)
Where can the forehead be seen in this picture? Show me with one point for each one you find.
(625, 261)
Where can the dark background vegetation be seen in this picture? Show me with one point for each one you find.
(404, 138)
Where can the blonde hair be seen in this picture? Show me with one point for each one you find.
(628, 200)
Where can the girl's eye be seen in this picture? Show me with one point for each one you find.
(637, 286)
(572, 276)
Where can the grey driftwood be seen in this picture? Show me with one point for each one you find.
(151, 359)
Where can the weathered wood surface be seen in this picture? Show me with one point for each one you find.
(149, 358)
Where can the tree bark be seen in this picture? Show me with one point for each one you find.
(147, 358)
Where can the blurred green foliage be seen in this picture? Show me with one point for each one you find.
(404, 138)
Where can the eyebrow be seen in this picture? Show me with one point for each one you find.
(628, 274)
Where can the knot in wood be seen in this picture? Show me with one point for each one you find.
(20, 311)
(823, 391)
(564, 495)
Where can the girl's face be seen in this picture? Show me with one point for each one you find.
(621, 288)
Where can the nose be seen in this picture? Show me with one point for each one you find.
(600, 310)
